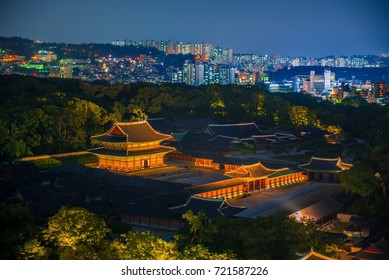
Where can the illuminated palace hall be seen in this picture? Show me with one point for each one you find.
(130, 146)
(247, 179)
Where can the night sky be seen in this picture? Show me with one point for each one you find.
(285, 27)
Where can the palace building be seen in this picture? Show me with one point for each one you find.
(259, 177)
(325, 169)
(246, 179)
(130, 146)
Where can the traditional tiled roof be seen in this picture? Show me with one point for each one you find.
(156, 186)
(318, 210)
(283, 172)
(265, 139)
(192, 124)
(286, 136)
(77, 184)
(23, 167)
(147, 210)
(239, 130)
(163, 200)
(256, 170)
(78, 169)
(315, 256)
(224, 140)
(38, 193)
(46, 208)
(161, 125)
(123, 153)
(215, 186)
(213, 207)
(376, 251)
(110, 138)
(235, 161)
(325, 164)
(135, 132)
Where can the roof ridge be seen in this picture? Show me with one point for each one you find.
(131, 123)
(266, 168)
(265, 135)
(326, 159)
(223, 136)
(234, 124)
(233, 205)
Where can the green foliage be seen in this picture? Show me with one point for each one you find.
(198, 230)
(37, 118)
(378, 147)
(52, 162)
(247, 149)
(53, 115)
(321, 148)
(359, 179)
(80, 159)
(299, 116)
(261, 238)
(136, 114)
(76, 233)
(268, 237)
(46, 163)
(17, 233)
(33, 249)
(354, 101)
(147, 246)
(200, 252)
(144, 246)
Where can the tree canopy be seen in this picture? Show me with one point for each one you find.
(76, 233)
(359, 179)
(57, 115)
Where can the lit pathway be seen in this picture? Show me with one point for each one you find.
(255, 211)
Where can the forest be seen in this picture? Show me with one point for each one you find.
(44, 116)
(54, 115)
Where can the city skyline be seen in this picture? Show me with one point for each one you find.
(301, 28)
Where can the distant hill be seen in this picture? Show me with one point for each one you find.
(27, 47)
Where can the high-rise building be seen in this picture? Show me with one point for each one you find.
(381, 88)
(312, 81)
(227, 56)
(226, 74)
(340, 62)
(327, 80)
(205, 52)
(177, 77)
(170, 47)
(199, 73)
(188, 74)
(209, 73)
(296, 62)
